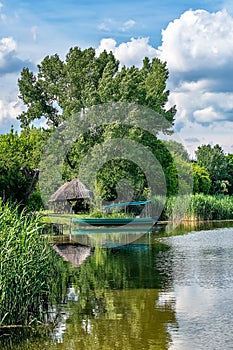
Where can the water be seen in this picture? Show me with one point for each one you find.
(202, 287)
(165, 293)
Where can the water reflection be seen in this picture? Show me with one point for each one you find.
(165, 293)
(130, 321)
(114, 302)
(119, 301)
(203, 281)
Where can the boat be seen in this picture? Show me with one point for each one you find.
(114, 224)
(112, 221)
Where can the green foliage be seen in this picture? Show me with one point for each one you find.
(19, 161)
(201, 179)
(118, 168)
(177, 150)
(63, 88)
(199, 207)
(28, 268)
(206, 207)
(229, 161)
(34, 202)
(214, 161)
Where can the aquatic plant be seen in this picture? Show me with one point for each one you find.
(28, 268)
(206, 207)
(199, 207)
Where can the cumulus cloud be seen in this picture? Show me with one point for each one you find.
(9, 62)
(128, 53)
(198, 49)
(207, 115)
(198, 40)
(8, 113)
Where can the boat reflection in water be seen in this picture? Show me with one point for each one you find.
(110, 232)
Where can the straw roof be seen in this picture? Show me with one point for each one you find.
(71, 190)
(73, 253)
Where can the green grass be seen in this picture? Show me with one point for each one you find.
(28, 268)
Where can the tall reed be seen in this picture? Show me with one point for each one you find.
(206, 207)
(28, 267)
(198, 207)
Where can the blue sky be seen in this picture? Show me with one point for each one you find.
(195, 38)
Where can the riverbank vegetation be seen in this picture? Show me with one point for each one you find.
(29, 269)
(198, 207)
(208, 177)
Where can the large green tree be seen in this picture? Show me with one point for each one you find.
(214, 161)
(63, 89)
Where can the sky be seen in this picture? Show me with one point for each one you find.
(194, 37)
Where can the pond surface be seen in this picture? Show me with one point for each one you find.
(165, 293)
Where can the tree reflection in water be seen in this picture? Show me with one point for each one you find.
(119, 304)
(115, 300)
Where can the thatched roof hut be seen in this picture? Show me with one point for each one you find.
(74, 253)
(71, 191)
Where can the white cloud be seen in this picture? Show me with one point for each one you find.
(113, 25)
(107, 25)
(198, 49)
(207, 115)
(9, 111)
(7, 45)
(3, 17)
(103, 26)
(9, 60)
(129, 53)
(128, 24)
(198, 40)
(106, 44)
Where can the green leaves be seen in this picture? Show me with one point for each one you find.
(67, 89)
(201, 179)
(27, 268)
(19, 158)
(214, 161)
(62, 88)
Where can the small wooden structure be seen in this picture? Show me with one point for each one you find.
(72, 196)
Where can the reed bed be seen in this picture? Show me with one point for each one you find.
(198, 207)
(203, 207)
(28, 268)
